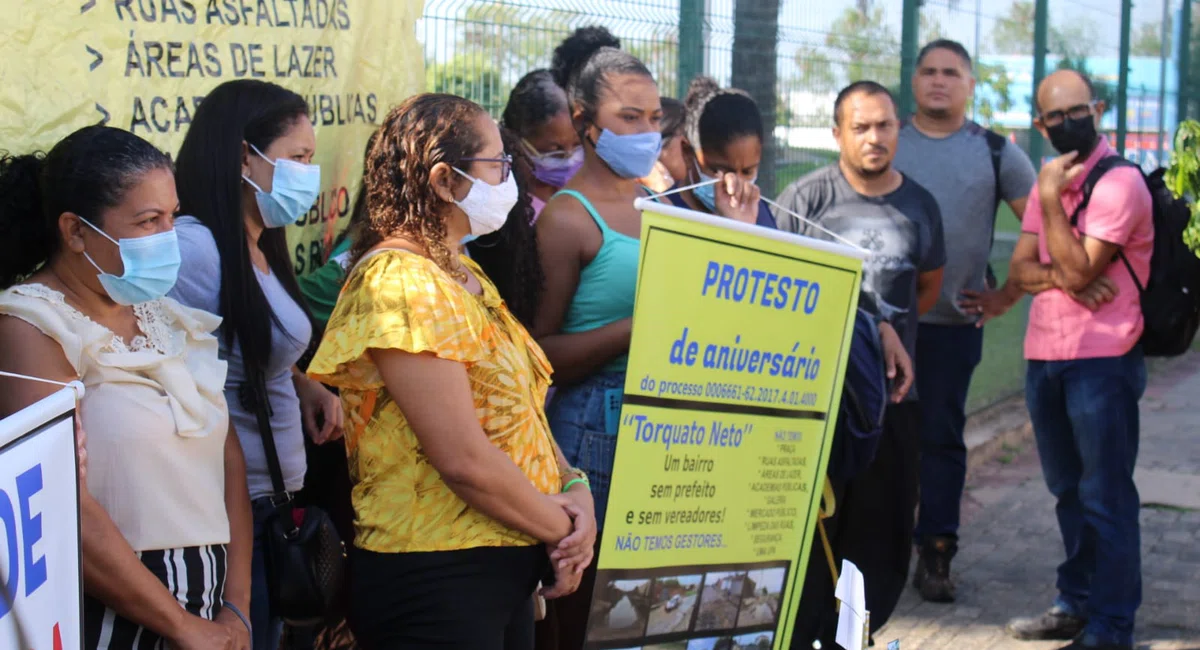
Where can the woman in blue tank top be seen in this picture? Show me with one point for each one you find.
(588, 242)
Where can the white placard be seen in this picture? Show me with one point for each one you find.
(40, 587)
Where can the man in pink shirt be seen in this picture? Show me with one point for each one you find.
(1086, 372)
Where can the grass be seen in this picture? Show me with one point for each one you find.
(1165, 507)
(812, 160)
(1006, 221)
(791, 171)
(1001, 372)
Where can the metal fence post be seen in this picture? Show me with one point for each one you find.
(754, 68)
(691, 44)
(1041, 23)
(908, 54)
(1185, 59)
(1123, 77)
(1163, 53)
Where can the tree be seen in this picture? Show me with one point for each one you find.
(814, 71)
(1073, 41)
(466, 76)
(783, 112)
(865, 45)
(930, 29)
(1147, 40)
(1013, 33)
(661, 57)
(859, 44)
(514, 38)
(997, 79)
(754, 68)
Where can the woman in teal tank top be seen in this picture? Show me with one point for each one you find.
(605, 291)
(588, 241)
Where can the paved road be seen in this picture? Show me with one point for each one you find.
(1010, 544)
(758, 611)
(676, 620)
(718, 610)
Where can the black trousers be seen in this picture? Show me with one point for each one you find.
(473, 599)
(872, 527)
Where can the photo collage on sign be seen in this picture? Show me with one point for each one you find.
(727, 607)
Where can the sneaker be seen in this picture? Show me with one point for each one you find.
(932, 577)
(1054, 625)
(1077, 644)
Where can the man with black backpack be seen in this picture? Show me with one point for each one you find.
(969, 170)
(1085, 252)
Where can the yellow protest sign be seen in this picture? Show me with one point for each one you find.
(740, 340)
(145, 65)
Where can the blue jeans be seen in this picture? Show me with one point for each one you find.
(946, 358)
(577, 416)
(267, 629)
(1085, 419)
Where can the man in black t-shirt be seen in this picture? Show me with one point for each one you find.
(864, 201)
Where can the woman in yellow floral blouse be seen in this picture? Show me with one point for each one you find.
(462, 500)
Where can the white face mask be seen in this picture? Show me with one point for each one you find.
(487, 206)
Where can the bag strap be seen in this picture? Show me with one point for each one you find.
(254, 398)
(1089, 184)
(995, 144)
(828, 507)
(1129, 267)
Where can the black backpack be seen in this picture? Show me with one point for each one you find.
(864, 398)
(1170, 298)
(995, 144)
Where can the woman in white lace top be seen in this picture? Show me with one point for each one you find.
(91, 253)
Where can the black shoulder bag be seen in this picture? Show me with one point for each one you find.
(305, 556)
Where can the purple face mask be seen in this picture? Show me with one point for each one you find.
(556, 171)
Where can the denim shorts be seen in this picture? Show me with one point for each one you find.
(579, 422)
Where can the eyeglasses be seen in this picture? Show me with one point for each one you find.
(1054, 118)
(505, 164)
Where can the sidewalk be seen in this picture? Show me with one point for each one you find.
(1010, 544)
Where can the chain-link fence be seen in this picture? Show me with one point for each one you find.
(794, 55)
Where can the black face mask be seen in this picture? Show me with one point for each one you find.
(1074, 134)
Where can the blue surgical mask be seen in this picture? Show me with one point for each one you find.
(151, 267)
(629, 156)
(294, 189)
(706, 194)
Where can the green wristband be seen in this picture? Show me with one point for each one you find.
(574, 481)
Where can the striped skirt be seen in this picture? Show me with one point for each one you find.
(194, 575)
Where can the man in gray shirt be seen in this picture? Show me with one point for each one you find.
(969, 170)
(864, 200)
